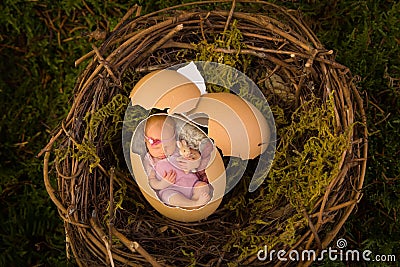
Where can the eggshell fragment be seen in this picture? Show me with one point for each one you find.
(165, 89)
(237, 127)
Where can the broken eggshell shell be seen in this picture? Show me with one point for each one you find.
(237, 127)
(215, 172)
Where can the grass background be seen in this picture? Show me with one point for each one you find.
(39, 42)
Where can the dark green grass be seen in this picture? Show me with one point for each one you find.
(39, 43)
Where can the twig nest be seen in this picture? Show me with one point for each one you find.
(321, 140)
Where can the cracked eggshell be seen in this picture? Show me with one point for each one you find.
(165, 89)
(237, 127)
(217, 178)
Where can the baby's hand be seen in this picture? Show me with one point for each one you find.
(188, 165)
(170, 176)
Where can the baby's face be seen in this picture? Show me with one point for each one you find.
(164, 133)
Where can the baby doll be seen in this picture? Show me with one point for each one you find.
(173, 186)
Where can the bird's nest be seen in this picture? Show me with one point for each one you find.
(320, 161)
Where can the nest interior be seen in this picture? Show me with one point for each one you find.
(320, 162)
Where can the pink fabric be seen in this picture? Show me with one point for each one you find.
(184, 182)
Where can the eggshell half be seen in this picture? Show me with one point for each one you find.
(237, 127)
(217, 178)
(165, 89)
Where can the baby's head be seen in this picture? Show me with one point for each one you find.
(159, 134)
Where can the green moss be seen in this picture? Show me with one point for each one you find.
(224, 48)
(111, 110)
(87, 151)
(301, 172)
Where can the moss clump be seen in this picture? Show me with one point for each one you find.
(224, 49)
(111, 110)
(86, 150)
(307, 156)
